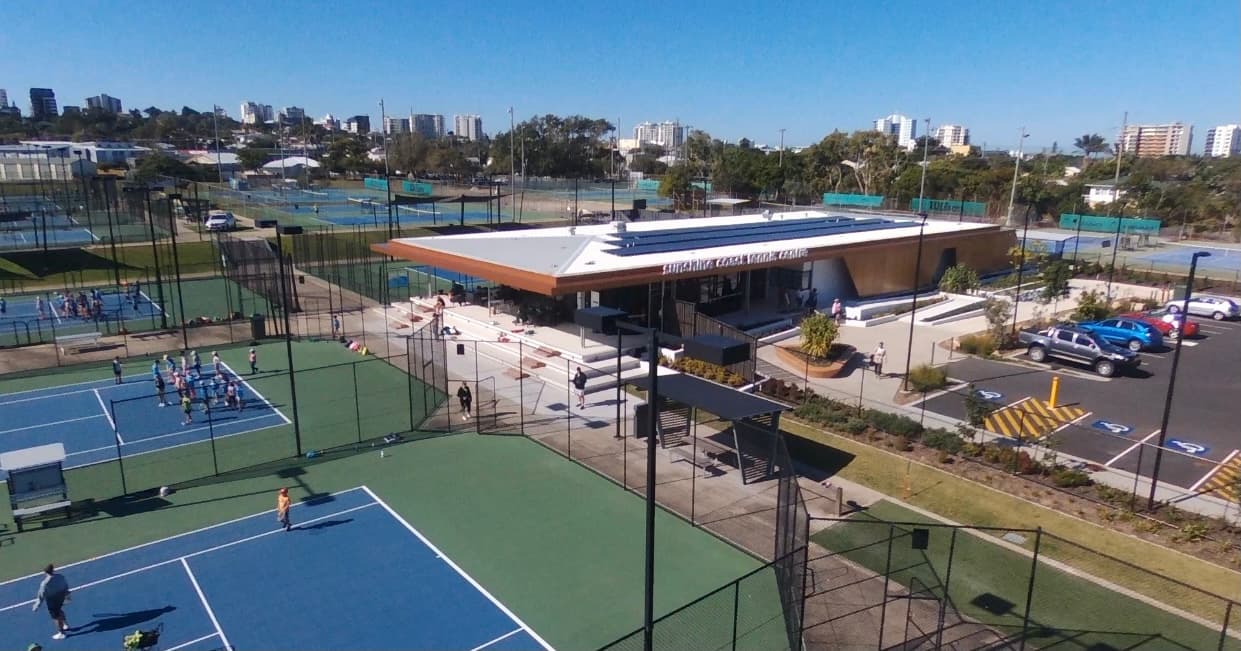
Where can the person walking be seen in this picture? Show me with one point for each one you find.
(198, 363)
(117, 370)
(215, 361)
(466, 399)
(38, 307)
(282, 508)
(240, 396)
(838, 311)
(254, 362)
(579, 387)
(335, 326)
(54, 591)
(877, 357)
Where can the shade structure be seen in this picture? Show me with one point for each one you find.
(724, 402)
(599, 318)
(717, 349)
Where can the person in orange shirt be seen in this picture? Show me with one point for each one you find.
(282, 508)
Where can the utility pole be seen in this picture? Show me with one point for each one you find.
(215, 125)
(383, 126)
(512, 163)
(1012, 198)
(781, 147)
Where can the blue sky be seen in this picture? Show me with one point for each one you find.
(736, 69)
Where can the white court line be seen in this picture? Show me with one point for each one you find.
(58, 386)
(40, 425)
(1213, 470)
(192, 642)
(166, 539)
(54, 395)
(441, 555)
(256, 392)
(179, 559)
(52, 306)
(1129, 449)
(502, 637)
(203, 598)
(107, 412)
(178, 433)
(153, 304)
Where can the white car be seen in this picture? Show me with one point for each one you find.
(1216, 307)
(221, 220)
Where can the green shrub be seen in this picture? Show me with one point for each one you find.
(1092, 306)
(1192, 532)
(982, 345)
(959, 279)
(944, 440)
(854, 426)
(925, 377)
(1068, 478)
(818, 331)
(894, 424)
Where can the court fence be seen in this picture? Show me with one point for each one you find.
(522, 390)
(342, 408)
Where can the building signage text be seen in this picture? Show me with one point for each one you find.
(708, 264)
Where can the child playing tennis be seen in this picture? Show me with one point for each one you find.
(187, 409)
(282, 508)
(241, 397)
(159, 389)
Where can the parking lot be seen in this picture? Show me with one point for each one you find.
(1106, 421)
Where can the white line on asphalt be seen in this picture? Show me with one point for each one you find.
(1213, 470)
(1129, 449)
(1072, 422)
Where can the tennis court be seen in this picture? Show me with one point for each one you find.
(98, 420)
(1221, 260)
(352, 574)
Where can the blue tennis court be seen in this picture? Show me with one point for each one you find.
(21, 238)
(352, 574)
(58, 316)
(96, 419)
(1220, 260)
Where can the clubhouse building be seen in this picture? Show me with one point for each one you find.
(741, 269)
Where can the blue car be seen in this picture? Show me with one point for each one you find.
(1130, 333)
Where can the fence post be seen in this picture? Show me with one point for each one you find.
(1223, 630)
(357, 409)
(943, 601)
(409, 378)
(568, 420)
(215, 462)
(1025, 620)
(887, 576)
(736, 610)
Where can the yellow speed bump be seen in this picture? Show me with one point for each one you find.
(1030, 419)
(1223, 482)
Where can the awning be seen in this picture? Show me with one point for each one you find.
(717, 399)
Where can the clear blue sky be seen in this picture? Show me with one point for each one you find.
(736, 69)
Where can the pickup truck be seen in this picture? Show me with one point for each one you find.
(1076, 345)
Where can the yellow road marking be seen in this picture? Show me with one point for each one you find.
(1030, 419)
(1223, 481)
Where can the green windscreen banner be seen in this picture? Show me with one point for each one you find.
(971, 208)
(420, 188)
(1104, 224)
(857, 200)
(375, 183)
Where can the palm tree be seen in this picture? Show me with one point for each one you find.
(1089, 144)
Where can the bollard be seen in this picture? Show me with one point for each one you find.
(1055, 392)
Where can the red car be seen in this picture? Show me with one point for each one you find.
(1165, 323)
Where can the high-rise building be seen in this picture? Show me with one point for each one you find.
(428, 125)
(254, 113)
(294, 114)
(952, 135)
(4, 98)
(42, 103)
(394, 125)
(1153, 140)
(668, 134)
(69, 109)
(905, 129)
(1224, 141)
(469, 127)
(105, 102)
(358, 124)
(330, 123)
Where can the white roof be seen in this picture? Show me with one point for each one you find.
(30, 457)
(291, 161)
(568, 251)
(225, 158)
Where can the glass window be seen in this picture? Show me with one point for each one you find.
(1064, 336)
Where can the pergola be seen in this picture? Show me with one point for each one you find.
(754, 421)
(432, 199)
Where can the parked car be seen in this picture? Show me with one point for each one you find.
(1216, 307)
(1076, 345)
(221, 220)
(1130, 333)
(1167, 323)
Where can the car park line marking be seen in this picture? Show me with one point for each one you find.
(1073, 422)
(1031, 419)
(1214, 471)
(1129, 449)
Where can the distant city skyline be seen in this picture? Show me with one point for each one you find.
(994, 73)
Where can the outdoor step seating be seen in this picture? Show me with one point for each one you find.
(40, 511)
(78, 342)
(546, 352)
(532, 363)
(516, 374)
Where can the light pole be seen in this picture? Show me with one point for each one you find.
(1176, 358)
(782, 148)
(383, 120)
(926, 150)
(1012, 197)
(913, 313)
(1021, 267)
(176, 267)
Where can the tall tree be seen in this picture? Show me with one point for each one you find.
(1089, 144)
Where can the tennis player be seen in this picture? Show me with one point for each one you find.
(282, 508)
(187, 408)
(117, 369)
(254, 362)
(54, 590)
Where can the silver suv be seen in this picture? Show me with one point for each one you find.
(1216, 307)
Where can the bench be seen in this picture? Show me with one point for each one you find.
(543, 351)
(77, 342)
(708, 456)
(33, 512)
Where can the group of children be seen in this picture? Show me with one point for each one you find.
(68, 306)
(191, 384)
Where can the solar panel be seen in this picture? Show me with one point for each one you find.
(688, 239)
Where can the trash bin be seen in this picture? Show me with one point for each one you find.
(258, 326)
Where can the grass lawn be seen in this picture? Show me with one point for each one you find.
(968, 502)
(987, 582)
